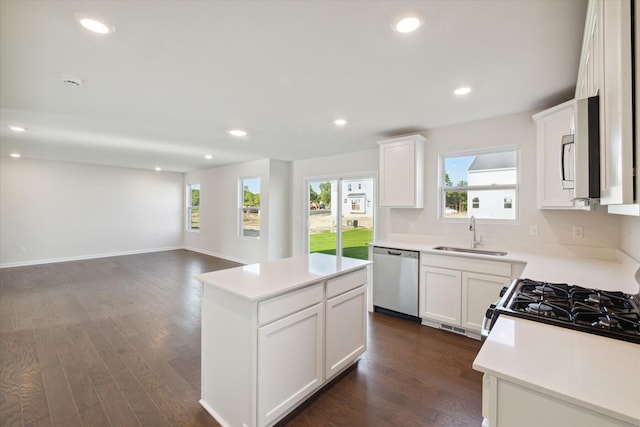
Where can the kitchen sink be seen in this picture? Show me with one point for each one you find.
(469, 251)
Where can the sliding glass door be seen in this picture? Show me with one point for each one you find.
(340, 219)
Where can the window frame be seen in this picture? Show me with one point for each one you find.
(190, 207)
(442, 190)
(241, 208)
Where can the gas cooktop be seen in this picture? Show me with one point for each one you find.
(606, 313)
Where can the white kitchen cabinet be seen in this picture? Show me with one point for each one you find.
(590, 59)
(290, 353)
(346, 327)
(616, 114)
(402, 172)
(455, 291)
(551, 126)
(606, 70)
(478, 292)
(276, 332)
(440, 294)
(509, 404)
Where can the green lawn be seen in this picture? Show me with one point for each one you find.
(354, 243)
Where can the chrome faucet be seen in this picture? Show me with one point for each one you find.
(472, 227)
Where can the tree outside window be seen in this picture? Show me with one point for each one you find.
(193, 207)
(250, 207)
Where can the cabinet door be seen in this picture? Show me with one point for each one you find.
(478, 292)
(346, 326)
(616, 115)
(401, 172)
(289, 361)
(552, 125)
(440, 294)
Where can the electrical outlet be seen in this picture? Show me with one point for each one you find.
(578, 232)
(533, 229)
(22, 250)
(412, 225)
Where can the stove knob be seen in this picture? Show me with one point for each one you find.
(490, 311)
(503, 291)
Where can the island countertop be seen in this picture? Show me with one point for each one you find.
(255, 282)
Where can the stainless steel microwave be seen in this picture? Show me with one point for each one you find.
(580, 153)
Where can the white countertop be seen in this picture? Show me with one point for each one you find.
(601, 374)
(267, 279)
(588, 272)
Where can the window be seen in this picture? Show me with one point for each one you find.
(250, 207)
(490, 176)
(193, 207)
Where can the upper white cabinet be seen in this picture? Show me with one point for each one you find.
(606, 69)
(402, 172)
(590, 60)
(551, 126)
(616, 115)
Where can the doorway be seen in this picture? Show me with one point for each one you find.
(340, 217)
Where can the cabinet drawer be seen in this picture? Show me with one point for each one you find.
(278, 307)
(345, 283)
(466, 264)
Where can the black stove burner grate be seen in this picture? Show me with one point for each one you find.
(612, 314)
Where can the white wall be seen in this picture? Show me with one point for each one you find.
(630, 235)
(555, 227)
(279, 189)
(57, 211)
(219, 211)
(361, 163)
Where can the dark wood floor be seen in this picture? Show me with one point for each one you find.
(116, 342)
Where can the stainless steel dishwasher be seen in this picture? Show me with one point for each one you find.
(395, 281)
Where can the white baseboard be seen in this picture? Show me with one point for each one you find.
(217, 255)
(84, 257)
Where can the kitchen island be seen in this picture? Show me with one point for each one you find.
(273, 333)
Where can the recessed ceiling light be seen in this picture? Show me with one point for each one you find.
(158, 168)
(462, 90)
(96, 26)
(15, 155)
(208, 156)
(340, 122)
(17, 128)
(237, 132)
(408, 25)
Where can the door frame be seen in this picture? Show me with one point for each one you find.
(339, 178)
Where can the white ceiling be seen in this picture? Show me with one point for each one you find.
(175, 75)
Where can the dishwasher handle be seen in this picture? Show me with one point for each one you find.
(380, 250)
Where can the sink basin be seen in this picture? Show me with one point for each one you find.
(469, 251)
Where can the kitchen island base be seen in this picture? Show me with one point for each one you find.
(263, 354)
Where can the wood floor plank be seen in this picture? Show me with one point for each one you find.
(62, 408)
(115, 406)
(143, 408)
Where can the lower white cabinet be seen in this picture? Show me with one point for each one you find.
(455, 292)
(506, 404)
(261, 359)
(289, 362)
(478, 292)
(440, 291)
(346, 330)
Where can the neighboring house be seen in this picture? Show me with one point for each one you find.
(488, 170)
(358, 197)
